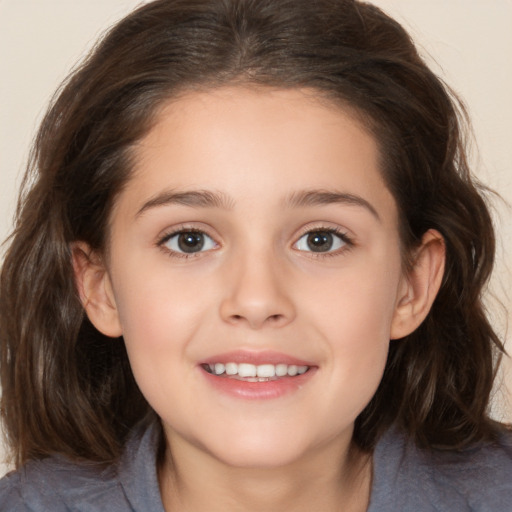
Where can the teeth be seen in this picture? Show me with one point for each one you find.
(266, 370)
(262, 371)
(281, 370)
(231, 368)
(246, 370)
(292, 370)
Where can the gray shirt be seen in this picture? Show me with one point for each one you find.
(405, 479)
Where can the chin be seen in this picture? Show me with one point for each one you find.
(263, 459)
(261, 451)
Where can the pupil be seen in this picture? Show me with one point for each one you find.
(320, 241)
(191, 242)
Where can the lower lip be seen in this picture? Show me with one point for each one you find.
(267, 390)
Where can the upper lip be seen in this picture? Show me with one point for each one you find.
(256, 358)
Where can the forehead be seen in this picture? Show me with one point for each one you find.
(257, 143)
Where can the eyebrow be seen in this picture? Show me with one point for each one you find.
(212, 199)
(306, 198)
(192, 198)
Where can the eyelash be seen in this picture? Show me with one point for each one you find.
(342, 235)
(182, 229)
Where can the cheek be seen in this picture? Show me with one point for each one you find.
(359, 301)
(160, 316)
(154, 298)
(353, 313)
(160, 313)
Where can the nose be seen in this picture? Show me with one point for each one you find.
(256, 294)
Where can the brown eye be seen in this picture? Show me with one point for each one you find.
(189, 242)
(321, 241)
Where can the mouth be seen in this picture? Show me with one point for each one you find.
(255, 373)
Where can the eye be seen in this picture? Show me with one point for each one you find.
(188, 242)
(322, 240)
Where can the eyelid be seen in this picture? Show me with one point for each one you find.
(184, 228)
(341, 233)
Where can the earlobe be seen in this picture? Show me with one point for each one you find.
(95, 290)
(420, 286)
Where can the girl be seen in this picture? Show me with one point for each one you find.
(246, 275)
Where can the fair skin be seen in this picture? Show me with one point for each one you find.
(293, 258)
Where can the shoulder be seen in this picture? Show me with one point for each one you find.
(482, 473)
(476, 479)
(58, 484)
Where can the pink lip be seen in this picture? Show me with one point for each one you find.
(256, 358)
(267, 390)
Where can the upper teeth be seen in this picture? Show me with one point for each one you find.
(262, 370)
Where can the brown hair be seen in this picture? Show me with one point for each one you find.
(69, 389)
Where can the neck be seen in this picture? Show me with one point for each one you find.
(331, 480)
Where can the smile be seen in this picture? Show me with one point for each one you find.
(255, 373)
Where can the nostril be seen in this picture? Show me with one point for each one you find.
(271, 319)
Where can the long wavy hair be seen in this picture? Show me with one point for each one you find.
(67, 388)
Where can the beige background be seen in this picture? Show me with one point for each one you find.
(468, 43)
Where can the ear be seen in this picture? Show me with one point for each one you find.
(95, 289)
(420, 285)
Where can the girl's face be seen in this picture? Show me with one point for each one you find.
(256, 239)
